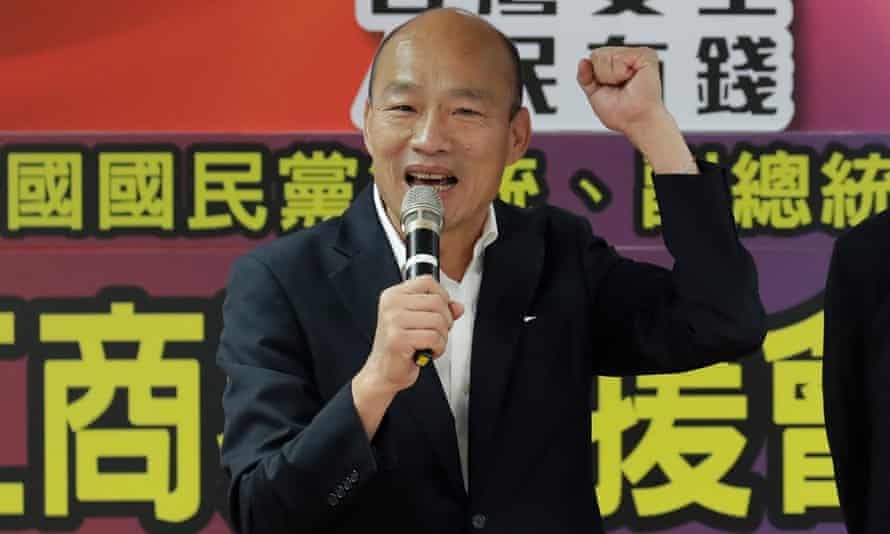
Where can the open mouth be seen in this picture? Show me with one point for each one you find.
(440, 182)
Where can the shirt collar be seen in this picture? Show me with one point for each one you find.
(488, 236)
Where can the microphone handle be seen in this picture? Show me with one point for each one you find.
(422, 253)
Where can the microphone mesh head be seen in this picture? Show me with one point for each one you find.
(424, 202)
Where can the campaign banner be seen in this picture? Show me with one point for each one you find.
(725, 65)
(113, 265)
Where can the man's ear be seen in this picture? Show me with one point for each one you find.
(520, 135)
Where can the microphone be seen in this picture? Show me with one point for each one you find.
(422, 217)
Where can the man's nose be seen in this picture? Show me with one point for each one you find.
(431, 133)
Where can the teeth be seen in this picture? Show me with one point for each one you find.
(429, 177)
(441, 182)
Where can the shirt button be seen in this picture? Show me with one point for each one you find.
(333, 500)
(478, 521)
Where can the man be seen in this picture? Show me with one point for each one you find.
(856, 373)
(331, 426)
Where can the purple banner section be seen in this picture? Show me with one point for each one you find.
(611, 158)
(792, 263)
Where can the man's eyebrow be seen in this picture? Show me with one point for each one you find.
(397, 87)
(472, 93)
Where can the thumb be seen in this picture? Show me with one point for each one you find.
(586, 77)
(457, 309)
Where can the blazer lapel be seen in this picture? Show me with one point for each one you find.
(369, 269)
(512, 268)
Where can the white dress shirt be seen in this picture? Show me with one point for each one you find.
(453, 366)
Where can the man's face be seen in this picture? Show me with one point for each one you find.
(440, 115)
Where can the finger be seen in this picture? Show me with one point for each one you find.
(644, 58)
(407, 310)
(611, 65)
(457, 309)
(423, 302)
(423, 340)
(635, 59)
(600, 60)
(425, 284)
(421, 284)
(425, 320)
(585, 75)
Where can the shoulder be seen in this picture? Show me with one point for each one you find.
(561, 233)
(547, 219)
(860, 259)
(866, 244)
(293, 255)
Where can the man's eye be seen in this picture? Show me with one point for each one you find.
(467, 111)
(402, 107)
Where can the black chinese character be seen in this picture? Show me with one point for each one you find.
(620, 6)
(753, 53)
(713, 89)
(534, 84)
(536, 7)
(754, 94)
(737, 7)
(382, 6)
(713, 52)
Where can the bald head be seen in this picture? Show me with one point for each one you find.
(448, 24)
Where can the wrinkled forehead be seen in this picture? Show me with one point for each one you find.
(467, 55)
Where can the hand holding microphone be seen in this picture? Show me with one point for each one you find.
(415, 316)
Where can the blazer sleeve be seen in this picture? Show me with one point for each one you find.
(705, 310)
(874, 462)
(294, 458)
(844, 389)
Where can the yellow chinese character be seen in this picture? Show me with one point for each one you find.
(746, 205)
(667, 444)
(797, 383)
(613, 416)
(7, 328)
(12, 499)
(590, 190)
(163, 398)
(803, 337)
(318, 188)
(872, 193)
(807, 471)
(848, 202)
(797, 392)
(519, 182)
(45, 190)
(785, 181)
(135, 190)
(772, 191)
(649, 212)
(218, 176)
